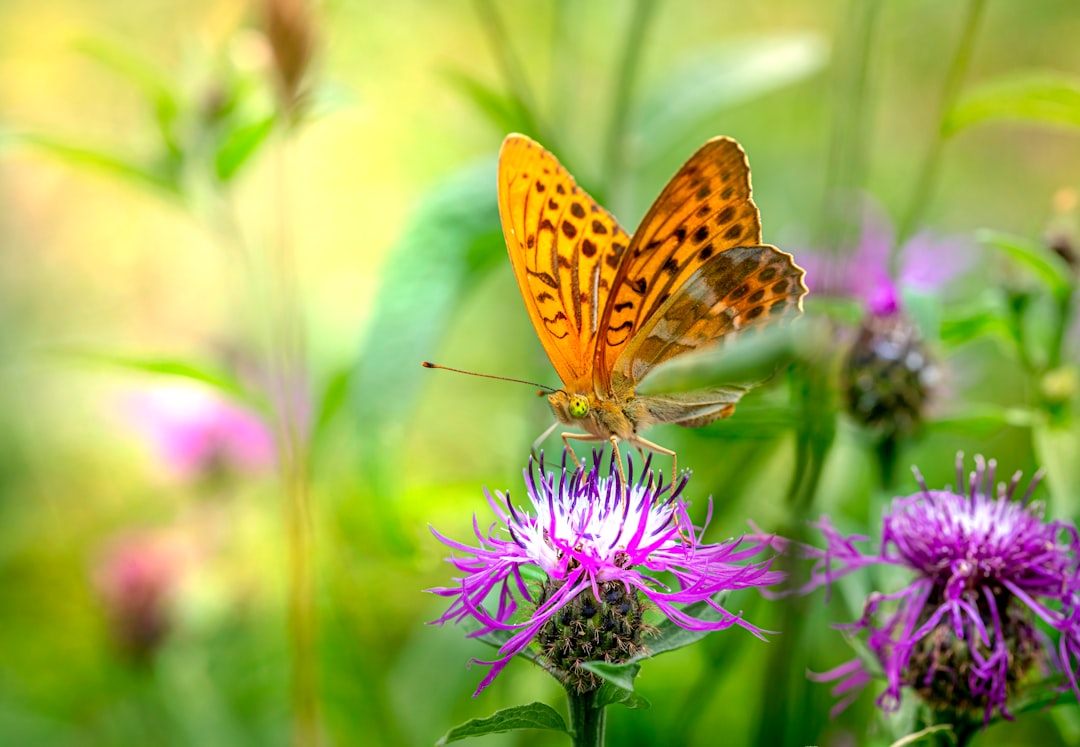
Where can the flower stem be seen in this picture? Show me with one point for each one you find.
(629, 62)
(931, 165)
(587, 719)
(287, 385)
(512, 71)
(845, 164)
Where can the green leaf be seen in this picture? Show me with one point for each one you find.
(506, 113)
(240, 145)
(748, 358)
(164, 367)
(670, 636)
(1046, 265)
(980, 420)
(977, 325)
(497, 638)
(103, 161)
(1039, 696)
(611, 694)
(619, 675)
(152, 82)
(335, 394)
(452, 240)
(1057, 446)
(720, 78)
(753, 422)
(531, 716)
(1046, 97)
(847, 311)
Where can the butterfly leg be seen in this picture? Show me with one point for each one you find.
(543, 436)
(641, 442)
(587, 437)
(618, 461)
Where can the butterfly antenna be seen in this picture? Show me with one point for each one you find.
(544, 388)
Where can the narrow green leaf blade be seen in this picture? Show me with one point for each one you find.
(1047, 266)
(127, 64)
(505, 113)
(749, 358)
(1046, 97)
(163, 367)
(103, 161)
(335, 394)
(979, 419)
(1057, 447)
(719, 78)
(532, 716)
(453, 238)
(240, 145)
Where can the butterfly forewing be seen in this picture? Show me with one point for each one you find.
(704, 210)
(565, 250)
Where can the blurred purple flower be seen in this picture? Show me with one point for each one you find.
(196, 432)
(599, 553)
(926, 263)
(962, 633)
(136, 578)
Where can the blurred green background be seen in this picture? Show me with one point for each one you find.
(144, 188)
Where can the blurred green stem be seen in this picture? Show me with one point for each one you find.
(887, 451)
(814, 437)
(629, 63)
(288, 381)
(1063, 315)
(844, 170)
(561, 77)
(512, 71)
(587, 719)
(927, 180)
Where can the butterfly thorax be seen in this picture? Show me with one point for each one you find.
(621, 415)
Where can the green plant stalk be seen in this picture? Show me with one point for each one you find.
(927, 179)
(1063, 313)
(512, 71)
(587, 719)
(287, 381)
(845, 165)
(625, 81)
(810, 385)
(563, 64)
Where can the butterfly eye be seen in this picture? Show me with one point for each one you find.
(579, 406)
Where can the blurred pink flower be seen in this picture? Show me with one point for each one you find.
(136, 577)
(195, 431)
(927, 262)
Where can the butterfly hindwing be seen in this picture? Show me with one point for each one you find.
(693, 409)
(565, 250)
(703, 211)
(738, 288)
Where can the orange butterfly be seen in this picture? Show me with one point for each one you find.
(609, 307)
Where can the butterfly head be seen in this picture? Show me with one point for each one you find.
(569, 407)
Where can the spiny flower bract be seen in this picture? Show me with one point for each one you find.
(600, 547)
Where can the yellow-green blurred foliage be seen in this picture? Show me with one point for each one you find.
(105, 276)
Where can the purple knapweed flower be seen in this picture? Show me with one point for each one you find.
(888, 376)
(926, 262)
(196, 432)
(963, 633)
(600, 548)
